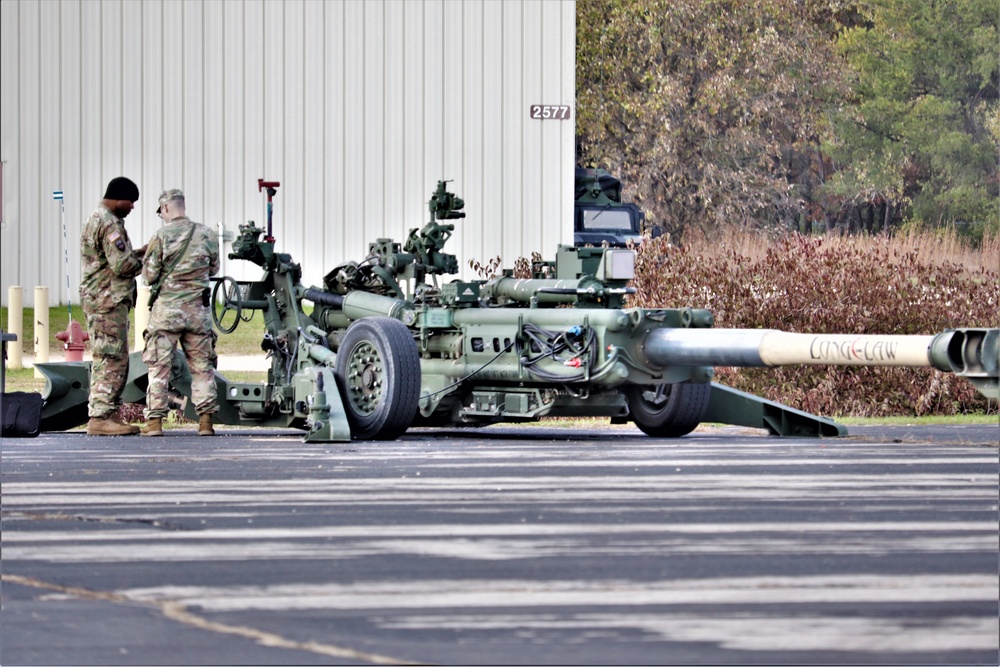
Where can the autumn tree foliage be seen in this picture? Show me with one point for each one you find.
(795, 114)
(704, 107)
(921, 128)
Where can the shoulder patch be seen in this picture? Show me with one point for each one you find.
(117, 239)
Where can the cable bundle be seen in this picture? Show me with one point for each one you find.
(575, 347)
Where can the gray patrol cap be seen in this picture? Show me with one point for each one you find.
(168, 195)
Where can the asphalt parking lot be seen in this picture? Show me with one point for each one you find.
(502, 546)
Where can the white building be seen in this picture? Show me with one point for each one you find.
(357, 107)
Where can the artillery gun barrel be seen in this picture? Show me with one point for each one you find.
(971, 352)
(612, 320)
(546, 290)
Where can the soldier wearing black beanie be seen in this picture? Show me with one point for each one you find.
(109, 266)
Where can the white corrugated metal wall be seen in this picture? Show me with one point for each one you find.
(357, 107)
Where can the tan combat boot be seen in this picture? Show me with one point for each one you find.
(205, 425)
(154, 426)
(108, 426)
(132, 429)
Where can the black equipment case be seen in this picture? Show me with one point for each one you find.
(22, 414)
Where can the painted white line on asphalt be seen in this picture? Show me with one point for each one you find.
(416, 486)
(491, 594)
(760, 631)
(472, 459)
(876, 529)
(489, 548)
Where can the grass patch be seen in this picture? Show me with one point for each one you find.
(245, 376)
(245, 340)
(932, 420)
(23, 379)
(58, 321)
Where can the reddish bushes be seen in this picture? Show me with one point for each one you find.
(917, 284)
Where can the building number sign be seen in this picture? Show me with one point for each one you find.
(549, 111)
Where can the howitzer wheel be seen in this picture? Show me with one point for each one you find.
(232, 301)
(669, 410)
(378, 374)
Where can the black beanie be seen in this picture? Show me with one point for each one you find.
(122, 188)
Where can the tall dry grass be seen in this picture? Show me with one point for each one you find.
(939, 246)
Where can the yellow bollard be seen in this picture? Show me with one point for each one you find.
(141, 317)
(15, 315)
(41, 327)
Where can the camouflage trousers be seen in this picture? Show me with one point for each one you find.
(109, 369)
(199, 349)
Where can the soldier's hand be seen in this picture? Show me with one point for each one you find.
(141, 252)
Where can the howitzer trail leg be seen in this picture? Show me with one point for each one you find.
(66, 394)
(66, 391)
(731, 406)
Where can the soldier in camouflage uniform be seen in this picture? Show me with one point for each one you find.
(110, 266)
(180, 258)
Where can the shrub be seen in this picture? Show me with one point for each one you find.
(913, 284)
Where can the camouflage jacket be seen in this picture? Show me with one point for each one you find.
(184, 286)
(108, 262)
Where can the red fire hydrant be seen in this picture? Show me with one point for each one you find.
(73, 341)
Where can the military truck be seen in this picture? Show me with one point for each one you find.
(600, 217)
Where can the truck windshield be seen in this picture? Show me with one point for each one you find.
(607, 218)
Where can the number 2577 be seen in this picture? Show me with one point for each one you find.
(549, 111)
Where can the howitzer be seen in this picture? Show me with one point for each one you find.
(386, 346)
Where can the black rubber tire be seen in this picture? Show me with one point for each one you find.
(378, 375)
(680, 413)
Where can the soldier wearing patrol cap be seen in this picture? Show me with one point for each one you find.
(110, 266)
(181, 257)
